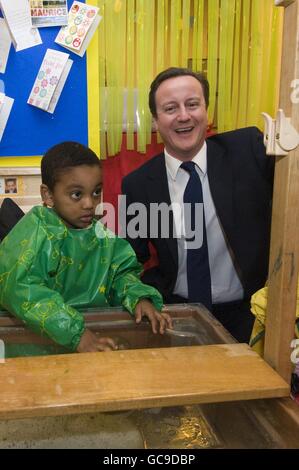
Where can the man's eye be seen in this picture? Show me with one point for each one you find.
(170, 109)
(193, 104)
(76, 195)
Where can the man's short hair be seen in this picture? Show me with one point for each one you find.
(176, 72)
(62, 157)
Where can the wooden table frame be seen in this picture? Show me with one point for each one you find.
(284, 253)
(56, 385)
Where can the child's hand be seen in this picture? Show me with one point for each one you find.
(160, 321)
(91, 343)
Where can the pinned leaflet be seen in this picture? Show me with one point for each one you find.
(50, 80)
(18, 20)
(5, 109)
(5, 43)
(48, 13)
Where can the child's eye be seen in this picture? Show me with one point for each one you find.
(97, 192)
(76, 195)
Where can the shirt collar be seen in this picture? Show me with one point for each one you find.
(173, 164)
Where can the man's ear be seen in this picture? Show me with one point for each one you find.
(46, 195)
(155, 124)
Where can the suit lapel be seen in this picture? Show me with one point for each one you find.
(221, 184)
(158, 191)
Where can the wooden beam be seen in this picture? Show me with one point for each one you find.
(283, 3)
(121, 380)
(284, 253)
(19, 171)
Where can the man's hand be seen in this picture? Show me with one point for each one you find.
(159, 321)
(91, 343)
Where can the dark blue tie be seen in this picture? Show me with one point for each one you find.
(198, 269)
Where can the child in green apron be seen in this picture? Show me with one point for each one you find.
(59, 258)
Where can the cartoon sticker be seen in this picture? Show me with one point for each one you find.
(81, 32)
(77, 42)
(75, 8)
(73, 29)
(78, 20)
(91, 13)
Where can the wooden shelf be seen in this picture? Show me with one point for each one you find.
(120, 380)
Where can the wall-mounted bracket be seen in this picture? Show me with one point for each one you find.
(280, 136)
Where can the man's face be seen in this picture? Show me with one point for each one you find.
(181, 116)
(76, 195)
(10, 186)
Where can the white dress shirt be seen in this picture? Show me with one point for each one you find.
(226, 285)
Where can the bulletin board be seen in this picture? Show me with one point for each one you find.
(31, 131)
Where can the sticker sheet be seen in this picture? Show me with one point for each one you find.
(82, 22)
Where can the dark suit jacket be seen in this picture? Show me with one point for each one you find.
(240, 177)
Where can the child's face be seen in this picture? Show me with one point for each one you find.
(76, 195)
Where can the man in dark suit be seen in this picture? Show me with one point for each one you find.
(236, 180)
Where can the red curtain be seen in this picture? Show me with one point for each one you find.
(115, 168)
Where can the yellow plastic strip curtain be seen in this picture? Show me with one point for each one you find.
(198, 35)
(272, 92)
(213, 39)
(130, 73)
(229, 64)
(149, 64)
(161, 36)
(175, 31)
(185, 33)
(109, 95)
(93, 90)
(223, 66)
(236, 66)
(102, 79)
(111, 78)
(119, 13)
(166, 30)
(162, 54)
(194, 34)
(237, 42)
(144, 39)
(140, 47)
(265, 61)
(115, 16)
(244, 64)
(255, 76)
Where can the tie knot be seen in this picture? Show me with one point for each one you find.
(188, 166)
